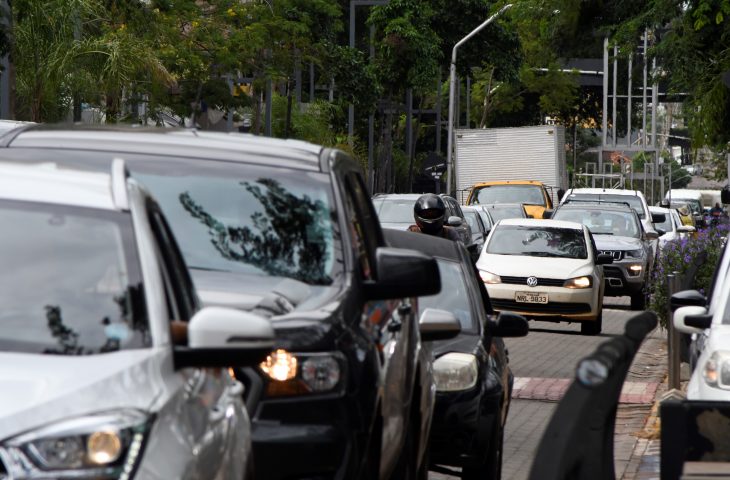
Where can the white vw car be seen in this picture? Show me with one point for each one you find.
(546, 270)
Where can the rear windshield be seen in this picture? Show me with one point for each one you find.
(394, 211)
(602, 222)
(537, 242)
(502, 212)
(531, 194)
(634, 201)
(70, 282)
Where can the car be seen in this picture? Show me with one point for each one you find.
(475, 218)
(532, 194)
(110, 366)
(499, 211)
(285, 229)
(684, 211)
(693, 198)
(545, 270)
(453, 211)
(472, 376)
(671, 228)
(618, 232)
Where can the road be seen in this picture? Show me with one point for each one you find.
(548, 355)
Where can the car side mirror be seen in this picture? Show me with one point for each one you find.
(437, 324)
(508, 324)
(658, 218)
(686, 229)
(691, 319)
(224, 337)
(688, 298)
(651, 235)
(547, 214)
(725, 195)
(403, 273)
(454, 221)
(660, 231)
(604, 259)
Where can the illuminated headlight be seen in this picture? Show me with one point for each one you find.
(488, 277)
(454, 372)
(102, 446)
(579, 282)
(635, 270)
(717, 370)
(302, 373)
(635, 253)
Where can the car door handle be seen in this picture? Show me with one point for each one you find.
(236, 389)
(216, 414)
(395, 326)
(405, 309)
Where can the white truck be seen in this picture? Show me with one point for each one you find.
(522, 153)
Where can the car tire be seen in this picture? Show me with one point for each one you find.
(638, 301)
(492, 467)
(592, 328)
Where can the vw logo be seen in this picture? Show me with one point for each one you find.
(531, 281)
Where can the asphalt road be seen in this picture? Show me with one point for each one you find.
(551, 350)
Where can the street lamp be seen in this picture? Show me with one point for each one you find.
(452, 88)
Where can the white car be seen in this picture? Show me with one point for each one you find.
(109, 367)
(545, 270)
(671, 228)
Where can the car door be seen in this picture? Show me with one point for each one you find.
(395, 329)
(210, 415)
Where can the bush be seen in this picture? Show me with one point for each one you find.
(699, 254)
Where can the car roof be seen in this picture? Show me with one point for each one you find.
(47, 183)
(233, 147)
(536, 222)
(573, 205)
(429, 244)
(508, 182)
(608, 191)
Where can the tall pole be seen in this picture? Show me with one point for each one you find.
(452, 87)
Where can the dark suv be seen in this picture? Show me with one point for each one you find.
(286, 230)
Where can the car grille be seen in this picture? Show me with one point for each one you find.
(616, 254)
(612, 272)
(541, 282)
(551, 307)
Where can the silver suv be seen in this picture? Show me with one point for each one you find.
(109, 367)
(617, 231)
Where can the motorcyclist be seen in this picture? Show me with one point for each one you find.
(716, 213)
(430, 215)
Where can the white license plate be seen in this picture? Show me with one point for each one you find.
(531, 297)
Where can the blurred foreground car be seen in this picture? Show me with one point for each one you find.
(545, 270)
(671, 228)
(286, 230)
(471, 372)
(94, 383)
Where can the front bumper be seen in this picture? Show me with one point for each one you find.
(620, 282)
(580, 304)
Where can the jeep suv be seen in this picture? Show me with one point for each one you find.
(618, 232)
(286, 230)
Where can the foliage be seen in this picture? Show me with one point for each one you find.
(687, 255)
(312, 125)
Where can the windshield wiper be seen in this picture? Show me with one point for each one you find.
(538, 254)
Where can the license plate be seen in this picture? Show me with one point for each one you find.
(531, 297)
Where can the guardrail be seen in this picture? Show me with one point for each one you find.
(578, 441)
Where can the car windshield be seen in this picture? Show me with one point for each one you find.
(248, 219)
(602, 222)
(531, 194)
(71, 282)
(537, 241)
(666, 225)
(634, 201)
(502, 212)
(472, 218)
(394, 211)
(454, 295)
(694, 205)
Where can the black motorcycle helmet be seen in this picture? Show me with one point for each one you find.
(429, 212)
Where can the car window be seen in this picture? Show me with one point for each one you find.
(71, 282)
(248, 219)
(503, 212)
(537, 241)
(666, 225)
(531, 194)
(472, 218)
(357, 234)
(394, 210)
(454, 296)
(634, 201)
(603, 222)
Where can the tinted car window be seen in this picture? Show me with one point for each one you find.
(473, 221)
(71, 282)
(531, 194)
(633, 200)
(248, 219)
(454, 295)
(394, 211)
(537, 241)
(603, 222)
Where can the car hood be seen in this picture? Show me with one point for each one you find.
(613, 242)
(524, 266)
(396, 225)
(42, 389)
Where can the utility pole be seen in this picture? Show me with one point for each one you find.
(452, 88)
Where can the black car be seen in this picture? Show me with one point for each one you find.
(476, 217)
(286, 230)
(471, 372)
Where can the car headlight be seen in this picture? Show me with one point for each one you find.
(579, 282)
(454, 372)
(635, 270)
(101, 446)
(488, 277)
(302, 373)
(717, 370)
(635, 253)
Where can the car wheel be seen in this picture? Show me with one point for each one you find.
(638, 301)
(593, 327)
(492, 467)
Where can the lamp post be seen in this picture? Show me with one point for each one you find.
(452, 87)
